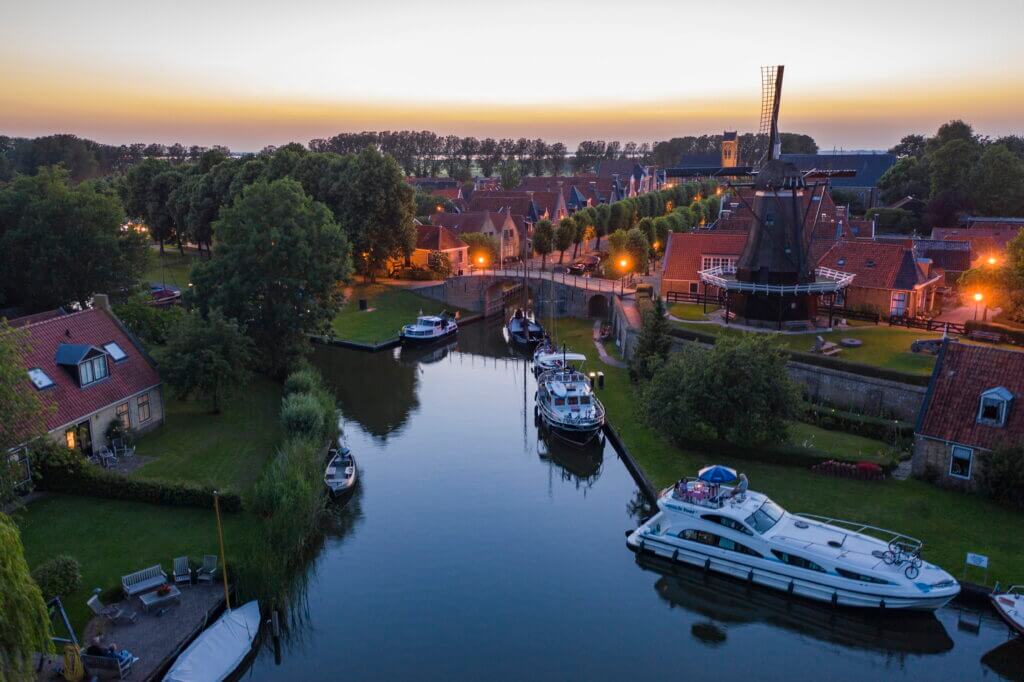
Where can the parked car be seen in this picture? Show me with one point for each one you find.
(583, 266)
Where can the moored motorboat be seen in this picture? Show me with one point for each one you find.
(428, 328)
(219, 649)
(568, 407)
(341, 473)
(523, 331)
(547, 359)
(745, 534)
(1010, 607)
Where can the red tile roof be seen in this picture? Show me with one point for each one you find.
(437, 238)
(471, 221)
(877, 265)
(94, 327)
(962, 374)
(684, 250)
(518, 204)
(1001, 233)
(35, 317)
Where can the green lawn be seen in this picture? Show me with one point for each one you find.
(111, 538)
(172, 268)
(949, 523)
(390, 307)
(227, 450)
(883, 346)
(690, 311)
(838, 444)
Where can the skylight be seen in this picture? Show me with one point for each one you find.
(39, 378)
(115, 351)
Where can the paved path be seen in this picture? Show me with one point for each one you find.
(605, 358)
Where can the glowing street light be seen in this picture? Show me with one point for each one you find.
(623, 263)
(992, 260)
(977, 303)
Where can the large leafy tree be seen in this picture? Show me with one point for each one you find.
(276, 267)
(61, 243)
(25, 625)
(207, 357)
(375, 207)
(997, 182)
(565, 235)
(639, 249)
(510, 173)
(543, 240)
(739, 392)
(653, 342)
(20, 410)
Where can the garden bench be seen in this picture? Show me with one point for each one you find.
(144, 580)
(993, 337)
(105, 667)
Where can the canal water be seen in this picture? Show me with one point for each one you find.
(473, 549)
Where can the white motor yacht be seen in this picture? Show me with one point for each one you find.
(568, 407)
(1010, 605)
(744, 534)
(428, 328)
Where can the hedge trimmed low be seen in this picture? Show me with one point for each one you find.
(859, 425)
(1007, 334)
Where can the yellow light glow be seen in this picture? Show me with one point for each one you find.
(991, 260)
(978, 296)
(440, 208)
(656, 245)
(480, 260)
(623, 263)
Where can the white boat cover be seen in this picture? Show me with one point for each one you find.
(219, 649)
(569, 357)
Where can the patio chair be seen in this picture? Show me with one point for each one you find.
(182, 570)
(208, 571)
(106, 457)
(122, 448)
(111, 613)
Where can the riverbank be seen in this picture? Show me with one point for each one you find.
(388, 308)
(950, 523)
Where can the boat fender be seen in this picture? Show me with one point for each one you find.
(750, 576)
(707, 564)
(790, 588)
(881, 604)
(675, 555)
(835, 598)
(643, 547)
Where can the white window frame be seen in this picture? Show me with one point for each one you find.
(953, 455)
(899, 295)
(114, 349)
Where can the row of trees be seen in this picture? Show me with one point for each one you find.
(751, 147)
(957, 171)
(85, 159)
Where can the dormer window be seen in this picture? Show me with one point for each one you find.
(994, 406)
(92, 370)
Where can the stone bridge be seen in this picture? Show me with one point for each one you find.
(561, 295)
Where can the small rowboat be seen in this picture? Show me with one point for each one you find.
(220, 649)
(1010, 605)
(340, 476)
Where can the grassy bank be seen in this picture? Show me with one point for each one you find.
(389, 308)
(690, 311)
(172, 268)
(227, 450)
(111, 538)
(949, 523)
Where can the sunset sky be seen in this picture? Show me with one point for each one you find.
(248, 74)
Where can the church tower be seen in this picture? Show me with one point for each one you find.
(730, 149)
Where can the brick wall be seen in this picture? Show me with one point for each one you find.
(935, 455)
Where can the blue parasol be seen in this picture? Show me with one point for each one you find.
(717, 473)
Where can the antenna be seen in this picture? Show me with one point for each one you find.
(771, 96)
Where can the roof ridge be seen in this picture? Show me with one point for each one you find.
(59, 317)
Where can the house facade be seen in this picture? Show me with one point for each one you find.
(430, 238)
(889, 280)
(88, 372)
(972, 406)
(497, 224)
(687, 253)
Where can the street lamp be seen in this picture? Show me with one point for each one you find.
(991, 260)
(623, 264)
(977, 302)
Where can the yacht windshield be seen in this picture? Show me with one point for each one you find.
(764, 518)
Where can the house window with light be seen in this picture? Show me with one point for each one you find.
(994, 406)
(960, 462)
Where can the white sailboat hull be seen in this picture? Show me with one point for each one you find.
(219, 649)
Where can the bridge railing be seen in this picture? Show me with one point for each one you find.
(576, 281)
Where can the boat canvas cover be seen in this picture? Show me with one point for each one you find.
(569, 357)
(220, 649)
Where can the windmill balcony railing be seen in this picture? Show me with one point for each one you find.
(826, 280)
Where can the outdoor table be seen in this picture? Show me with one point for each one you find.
(150, 599)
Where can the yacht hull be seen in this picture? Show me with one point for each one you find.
(835, 595)
(426, 340)
(578, 436)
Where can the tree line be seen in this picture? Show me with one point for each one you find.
(957, 171)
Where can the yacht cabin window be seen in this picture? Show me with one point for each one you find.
(710, 539)
(727, 522)
(798, 561)
(766, 517)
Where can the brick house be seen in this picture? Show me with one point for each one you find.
(687, 253)
(88, 371)
(971, 406)
(431, 238)
(889, 280)
(498, 224)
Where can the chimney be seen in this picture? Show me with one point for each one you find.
(101, 301)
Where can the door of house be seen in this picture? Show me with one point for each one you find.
(79, 437)
(900, 299)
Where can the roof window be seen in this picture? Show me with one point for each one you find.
(40, 379)
(994, 406)
(115, 351)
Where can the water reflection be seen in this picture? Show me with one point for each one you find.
(726, 603)
(373, 389)
(426, 354)
(579, 466)
(1007, 659)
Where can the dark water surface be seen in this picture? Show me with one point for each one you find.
(474, 550)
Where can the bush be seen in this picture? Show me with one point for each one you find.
(439, 264)
(860, 425)
(1001, 475)
(58, 577)
(1008, 334)
(305, 380)
(58, 469)
(152, 324)
(302, 415)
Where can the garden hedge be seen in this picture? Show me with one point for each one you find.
(1008, 334)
